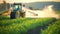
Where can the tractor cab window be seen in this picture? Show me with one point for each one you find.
(17, 7)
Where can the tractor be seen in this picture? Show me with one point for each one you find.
(17, 11)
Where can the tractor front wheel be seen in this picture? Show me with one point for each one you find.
(14, 15)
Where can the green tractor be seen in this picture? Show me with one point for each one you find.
(17, 11)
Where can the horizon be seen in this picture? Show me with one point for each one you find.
(28, 1)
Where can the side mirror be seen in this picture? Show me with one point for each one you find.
(23, 5)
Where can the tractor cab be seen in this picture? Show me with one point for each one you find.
(16, 6)
(16, 11)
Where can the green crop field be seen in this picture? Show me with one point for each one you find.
(52, 29)
(20, 25)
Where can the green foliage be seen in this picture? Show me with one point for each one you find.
(58, 12)
(20, 25)
(53, 29)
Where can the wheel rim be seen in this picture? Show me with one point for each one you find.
(17, 15)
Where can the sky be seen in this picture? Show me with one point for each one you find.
(26, 1)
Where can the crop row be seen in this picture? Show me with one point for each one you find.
(21, 25)
(52, 29)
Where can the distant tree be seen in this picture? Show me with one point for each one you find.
(37, 9)
(4, 2)
(31, 8)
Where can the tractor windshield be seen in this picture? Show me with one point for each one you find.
(17, 7)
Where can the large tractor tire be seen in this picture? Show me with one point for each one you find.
(22, 14)
(14, 15)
